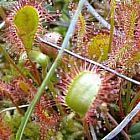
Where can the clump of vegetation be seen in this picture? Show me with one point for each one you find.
(69, 69)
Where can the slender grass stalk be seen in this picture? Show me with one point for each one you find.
(133, 102)
(113, 4)
(13, 108)
(128, 97)
(2, 25)
(115, 122)
(101, 20)
(51, 71)
(92, 132)
(126, 120)
(91, 62)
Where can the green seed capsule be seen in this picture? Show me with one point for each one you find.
(39, 57)
(82, 91)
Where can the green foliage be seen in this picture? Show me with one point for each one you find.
(79, 92)
(70, 129)
(98, 47)
(135, 59)
(135, 131)
(31, 132)
(50, 73)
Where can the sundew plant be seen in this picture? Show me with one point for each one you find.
(69, 70)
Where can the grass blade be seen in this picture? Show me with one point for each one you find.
(50, 73)
(126, 120)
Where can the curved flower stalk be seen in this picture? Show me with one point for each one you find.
(25, 23)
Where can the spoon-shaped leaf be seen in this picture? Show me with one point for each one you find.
(26, 21)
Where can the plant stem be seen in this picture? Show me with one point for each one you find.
(2, 25)
(128, 97)
(97, 16)
(51, 71)
(94, 137)
(133, 102)
(101, 20)
(114, 122)
(91, 62)
(123, 124)
(13, 108)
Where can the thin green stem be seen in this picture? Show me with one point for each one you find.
(128, 96)
(133, 102)
(50, 73)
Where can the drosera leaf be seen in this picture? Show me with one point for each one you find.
(26, 21)
(135, 59)
(50, 72)
(83, 91)
(81, 30)
(98, 47)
